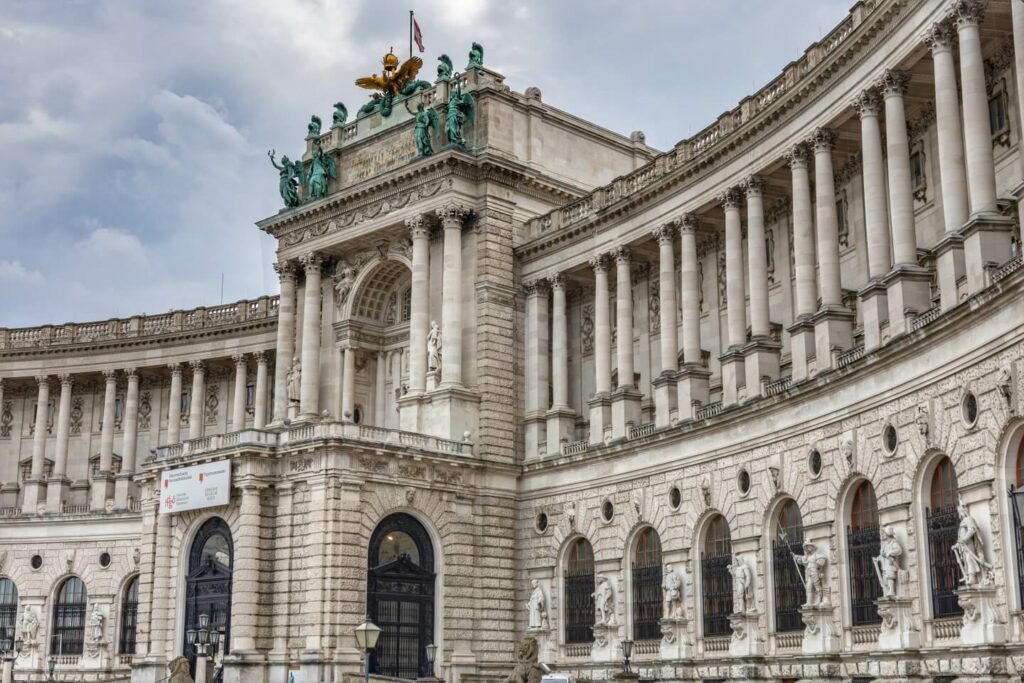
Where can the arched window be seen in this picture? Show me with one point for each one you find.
(208, 585)
(129, 616)
(8, 609)
(942, 522)
(69, 618)
(715, 580)
(647, 599)
(579, 593)
(1018, 481)
(789, 587)
(862, 546)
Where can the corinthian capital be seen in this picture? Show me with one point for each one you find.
(110, 375)
(967, 12)
(311, 262)
(535, 287)
(798, 155)
(418, 227)
(823, 140)
(731, 198)
(894, 83)
(688, 223)
(940, 37)
(285, 270)
(623, 255)
(197, 366)
(451, 214)
(43, 380)
(867, 103)
(666, 234)
(753, 186)
(599, 262)
(557, 281)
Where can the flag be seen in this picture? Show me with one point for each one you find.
(417, 35)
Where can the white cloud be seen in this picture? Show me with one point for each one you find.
(112, 246)
(13, 273)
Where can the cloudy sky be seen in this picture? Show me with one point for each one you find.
(134, 132)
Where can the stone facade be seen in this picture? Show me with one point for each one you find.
(555, 361)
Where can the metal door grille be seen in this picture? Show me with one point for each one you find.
(789, 589)
(943, 525)
(647, 601)
(863, 545)
(716, 593)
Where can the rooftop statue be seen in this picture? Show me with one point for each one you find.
(313, 129)
(320, 169)
(292, 174)
(444, 68)
(460, 110)
(394, 81)
(427, 123)
(340, 115)
(476, 56)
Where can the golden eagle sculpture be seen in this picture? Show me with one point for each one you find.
(395, 81)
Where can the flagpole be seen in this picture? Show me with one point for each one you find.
(410, 34)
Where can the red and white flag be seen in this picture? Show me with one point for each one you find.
(417, 35)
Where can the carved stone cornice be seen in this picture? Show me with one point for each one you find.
(894, 83)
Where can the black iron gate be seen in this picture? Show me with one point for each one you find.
(716, 594)
(863, 546)
(401, 603)
(789, 588)
(942, 525)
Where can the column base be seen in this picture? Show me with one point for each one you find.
(949, 258)
(101, 489)
(761, 364)
(908, 289)
(801, 349)
(833, 331)
(561, 428)
(452, 413)
(664, 392)
(534, 437)
(732, 374)
(819, 635)
(874, 311)
(625, 411)
(982, 624)
(57, 490)
(692, 390)
(675, 641)
(33, 501)
(746, 640)
(124, 489)
(605, 649)
(898, 631)
(600, 419)
(986, 244)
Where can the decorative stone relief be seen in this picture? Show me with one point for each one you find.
(373, 464)
(922, 420)
(212, 403)
(705, 489)
(654, 304)
(723, 290)
(411, 471)
(145, 409)
(451, 477)
(700, 285)
(6, 420)
(769, 250)
(570, 513)
(814, 563)
(1005, 385)
(587, 328)
(887, 564)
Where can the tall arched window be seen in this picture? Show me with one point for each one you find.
(788, 538)
(862, 546)
(647, 599)
(8, 609)
(715, 580)
(579, 593)
(943, 522)
(208, 584)
(69, 618)
(1018, 481)
(129, 616)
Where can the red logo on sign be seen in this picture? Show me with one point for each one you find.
(201, 476)
(169, 502)
(167, 483)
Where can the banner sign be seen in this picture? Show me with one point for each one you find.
(196, 487)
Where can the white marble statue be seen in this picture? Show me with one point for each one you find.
(96, 620)
(604, 602)
(536, 606)
(742, 586)
(295, 381)
(343, 282)
(29, 626)
(969, 551)
(814, 562)
(887, 564)
(434, 347)
(672, 589)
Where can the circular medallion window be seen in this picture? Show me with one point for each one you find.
(607, 511)
(969, 409)
(814, 462)
(37, 561)
(743, 482)
(675, 497)
(104, 560)
(890, 439)
(542, 522)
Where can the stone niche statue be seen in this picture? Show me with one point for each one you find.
(344, 278)
(742, 586)
(672, 589)
(434, 347)
(295, 381)
(29, 626)
(179, 671)
(814, 562)
(969, 551)
(887, 564)
(527, 668)
(95, 638)
(537, 608)
(604, 602)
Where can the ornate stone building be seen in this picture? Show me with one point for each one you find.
(752, 404)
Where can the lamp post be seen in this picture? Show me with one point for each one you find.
(366, 637)
(627, 651)
(9, 651)
(431, 657)
(51, 664)
(199, 639)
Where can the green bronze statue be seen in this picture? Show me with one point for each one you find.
(444, 68)
(313, 129)
(371, 106)
(340, 115)
(476, 56)
(414, 87)
(321, 167)
(291, 176)
(461, 107)
(427, 122)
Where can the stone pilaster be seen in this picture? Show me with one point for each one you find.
(57, 486)
(101, 485)
(309, 393)
(536, 379)
(561, 419)
(174, 404)
(238, 405)
(259, 418)
(410, 405)
(451, 216)
(197, 400)
(124, 487)
(285, 350)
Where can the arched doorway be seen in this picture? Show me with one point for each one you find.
(788, 538)
(862, 546)
(400, 596)
(942, 522)
(208, 585)
(715, 579)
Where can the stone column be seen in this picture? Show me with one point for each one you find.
(35, 487)
(874, 305)
(419, 313)
(160, 639)
(102, 484)
(801, 332)
(451, 314)
(626, 400)
(285, 340)
(238, 407)
(197, 400)
(348, 385)
(380, 379)
(692, 379)
(259, 418)
(949, 252)
(833, 324)
(124, 487)
(600, 404)
(736, 307)
(536, 399)
(561, 419)
(986, 234)
(665, 382)
(761, 354)
(309, 394)
(57, 486)
(174, 404)
(245, 599)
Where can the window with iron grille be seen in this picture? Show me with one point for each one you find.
(647, 596)
(943, 522)
(1019, 536)
(862, 546)
(715, 580)
(129, 617)
(789, 588)
(69, 618)
(8, 609)
(579, 593)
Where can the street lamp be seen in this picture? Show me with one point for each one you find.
(199, 639)
(431, 656)
(9, 655)
(51, 664)
(627, 651)
(366, 637)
